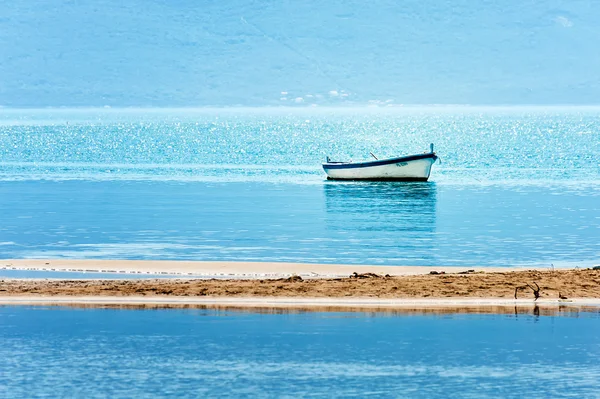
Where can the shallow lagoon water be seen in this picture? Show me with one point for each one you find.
(66, 352)
(70, 275)
(354, 223)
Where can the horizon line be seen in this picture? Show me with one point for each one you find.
(369, 107)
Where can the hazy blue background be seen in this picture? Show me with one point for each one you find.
(201, 53)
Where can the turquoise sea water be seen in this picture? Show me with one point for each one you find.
(70, 352)
(515, 186)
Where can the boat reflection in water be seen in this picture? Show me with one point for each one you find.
(390, 222)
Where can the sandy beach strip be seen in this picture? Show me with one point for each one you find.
(231, 269)
(572, 286)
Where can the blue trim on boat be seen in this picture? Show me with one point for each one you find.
(345, 165)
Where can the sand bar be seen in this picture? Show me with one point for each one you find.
(231, 269)
(323, 287)
(554, 285)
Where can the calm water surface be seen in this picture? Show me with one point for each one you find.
(66, 352)
(386, 223)
(515, 186)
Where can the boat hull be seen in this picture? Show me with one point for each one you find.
(411, 168)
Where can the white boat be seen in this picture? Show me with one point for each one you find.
(406, 168)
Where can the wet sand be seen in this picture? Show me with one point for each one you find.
(361, 291)
(544, 307)
(229, 269)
